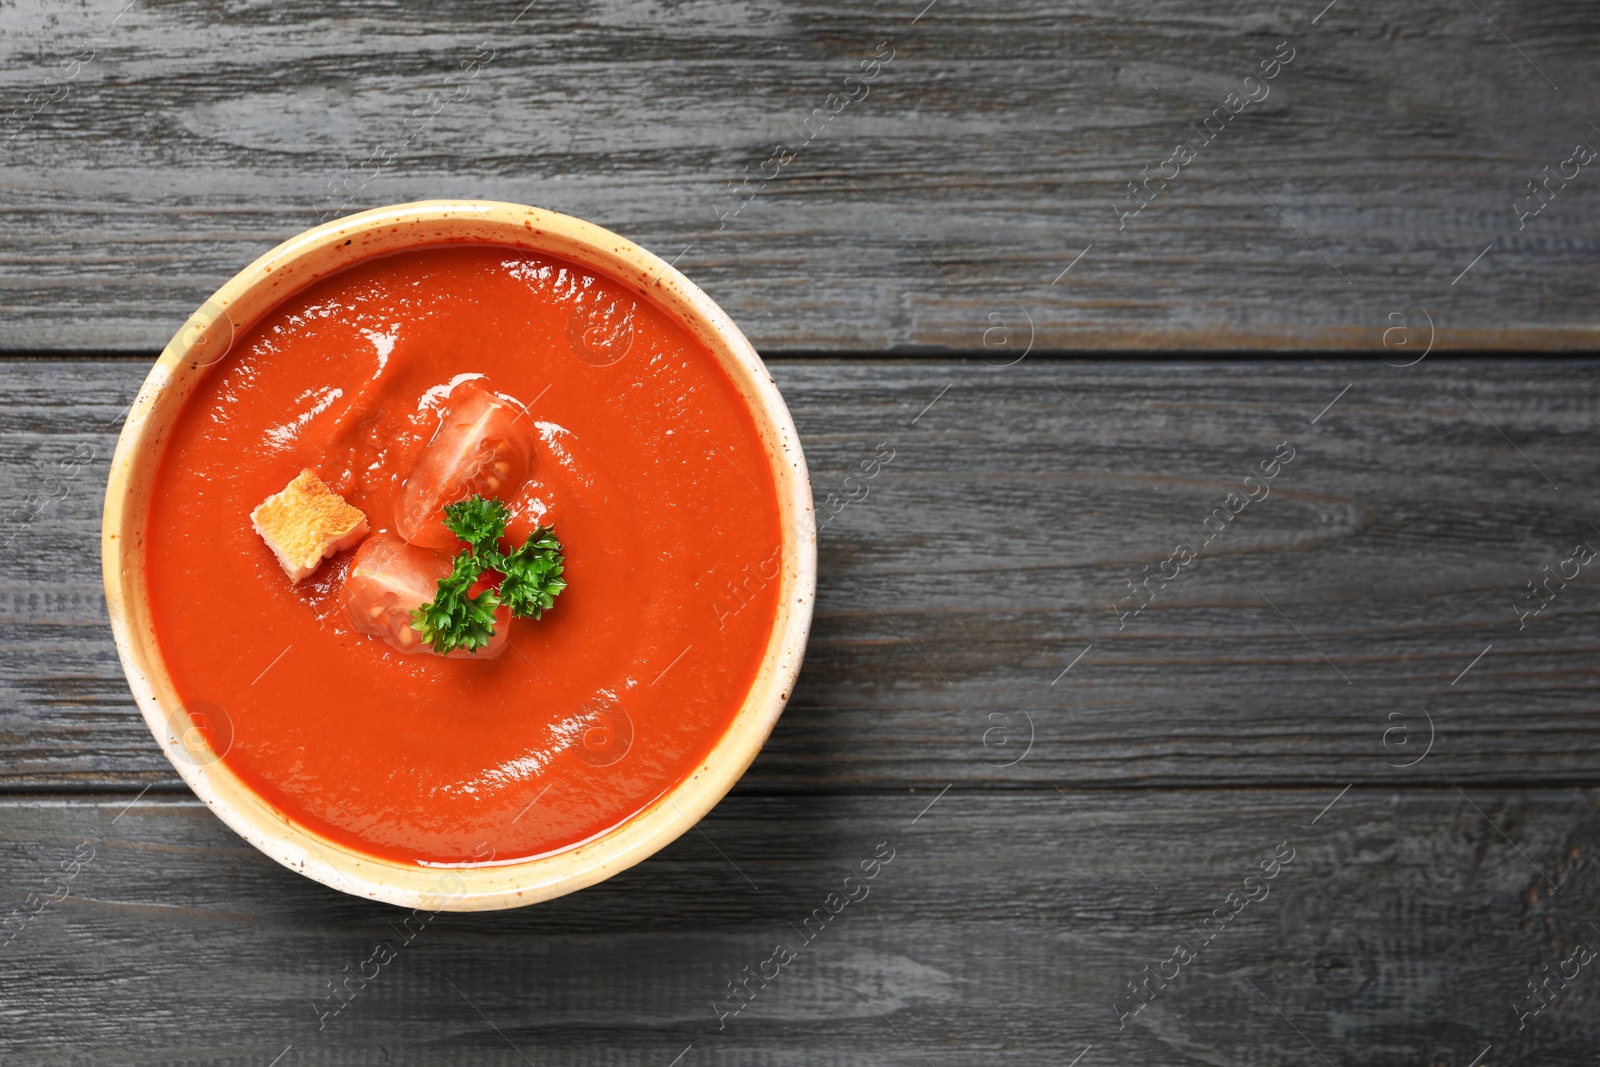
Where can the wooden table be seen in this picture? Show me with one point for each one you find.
(1331, 796)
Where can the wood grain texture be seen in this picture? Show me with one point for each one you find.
(1003, 930)
(994, 147)
(1316, 638)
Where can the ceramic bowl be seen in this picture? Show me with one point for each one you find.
(205, 340)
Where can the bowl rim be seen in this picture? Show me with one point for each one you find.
(252, 293)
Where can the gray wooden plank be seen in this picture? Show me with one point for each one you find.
(1004, 930)
(999, 142)
(1321, 634)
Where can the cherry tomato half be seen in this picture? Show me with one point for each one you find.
(483, 445)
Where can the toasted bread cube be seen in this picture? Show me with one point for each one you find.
(307, 523)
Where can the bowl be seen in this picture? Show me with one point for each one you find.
(192, 743)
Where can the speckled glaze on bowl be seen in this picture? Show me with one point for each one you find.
(206, 339)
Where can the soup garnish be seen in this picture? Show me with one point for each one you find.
(530, 578)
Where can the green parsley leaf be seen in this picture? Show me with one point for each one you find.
(453, 619)
(532, 575)
(530, 584)
(479, 521)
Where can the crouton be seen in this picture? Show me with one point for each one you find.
(307, 523)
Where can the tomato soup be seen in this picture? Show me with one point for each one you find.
(645, 463)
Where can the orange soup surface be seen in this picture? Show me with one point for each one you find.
(644, 461)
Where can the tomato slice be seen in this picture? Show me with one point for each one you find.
(483, 445)
(388, 580)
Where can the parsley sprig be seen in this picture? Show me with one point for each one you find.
(530, 584)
